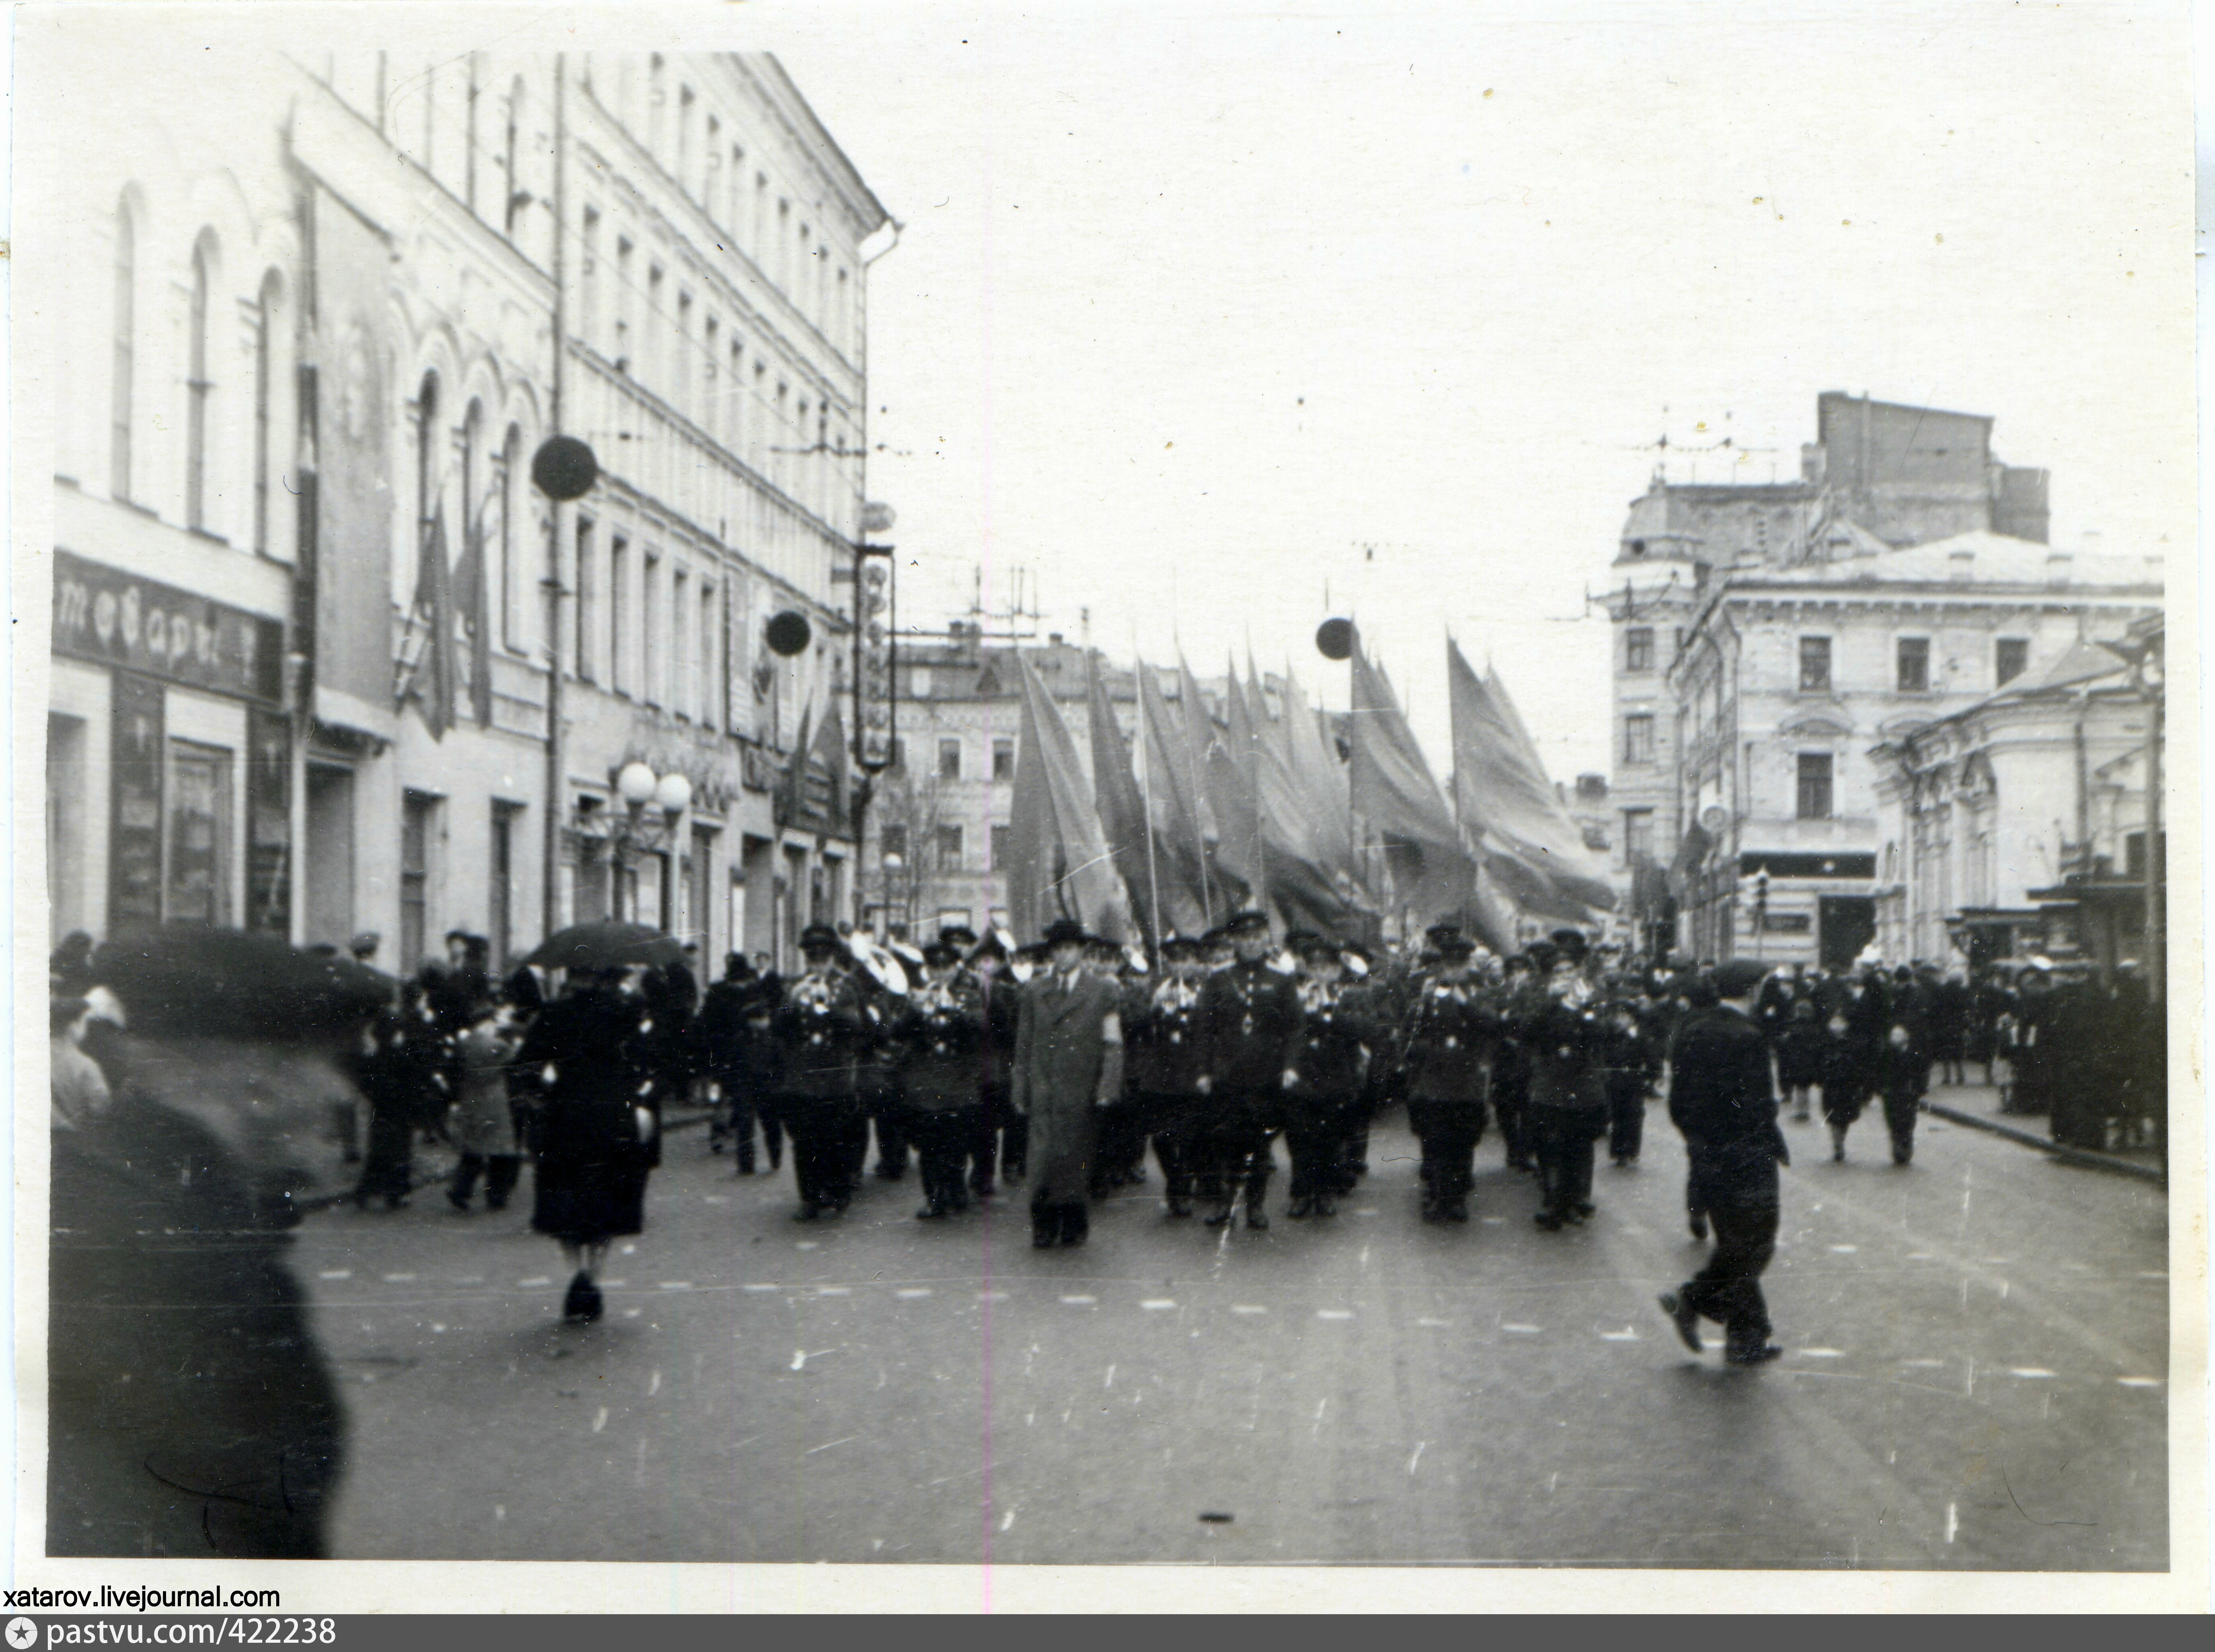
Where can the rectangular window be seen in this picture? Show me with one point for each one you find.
(1814, 665)
(2010, 659)
(711, 687)
(949, 759)
(1638, 738)
(1914, 655)
(417, 812)
(653, 664)
(949, 849)
(1814, 786)
(620, 652)
(1003, 842)
(588, 604)
(1638, 835)
(197, 870)
(1638, 649)
(680, 643)
(680, 365)
(499, 892)
(649, 331)
(622, 305)
(588, 280)
(892, 845)
(1004, 760)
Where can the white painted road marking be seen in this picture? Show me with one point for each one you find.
(1247, 1307)
(912, 1292)
(1820, 1354)
(601, 1421)
(2030, 1371)
(676, 1285)
(1080, 1301)
(2139, 1382)
(336, 1273)
(1333, 1313)
(1155, 1304)
(761, 1287)
(534, 1283)
(1522, 1331)
(400, 1279)
(1435, 1323)
(1627, 1334)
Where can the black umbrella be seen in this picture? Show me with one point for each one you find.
(606, 945)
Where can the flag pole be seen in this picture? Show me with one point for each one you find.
(1146, 796)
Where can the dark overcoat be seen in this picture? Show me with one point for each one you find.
(1722, 1098)
(939, 1034)
(594, 1154)
(190, 1413)
(1063, 1066)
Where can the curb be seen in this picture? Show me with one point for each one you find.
(2082, 1157)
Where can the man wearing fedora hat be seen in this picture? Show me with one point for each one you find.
(189, 1410)
(1068, 1066)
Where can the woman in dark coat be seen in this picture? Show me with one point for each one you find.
(1846, 1075)
(596, 1128)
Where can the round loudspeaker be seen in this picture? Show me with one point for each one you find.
(790, 633)
(564, 468)
(1334, 639)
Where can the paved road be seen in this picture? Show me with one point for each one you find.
(1976, 1379)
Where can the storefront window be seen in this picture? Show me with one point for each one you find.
(197, 885)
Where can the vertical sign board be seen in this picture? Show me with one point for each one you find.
(872, 661)
(269, 823)
(353, 494)
(134, 895)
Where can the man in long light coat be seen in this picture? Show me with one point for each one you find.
(1069, 1064)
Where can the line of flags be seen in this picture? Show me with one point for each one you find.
(444, 593)
(1196, 815)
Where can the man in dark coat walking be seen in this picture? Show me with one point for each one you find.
(1561, 1024)
(1069, 1066)
(1452, 1039)
(189, 1410)
(1721, 1099)
(937, 1031)
(1250, 1016)
(1167, 1054)
(999, 1148)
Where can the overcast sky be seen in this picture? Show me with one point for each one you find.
(1198, 319)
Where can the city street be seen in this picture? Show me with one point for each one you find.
(1976, 1377)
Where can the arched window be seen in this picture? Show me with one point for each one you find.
(427, 421)
(267, 388)
(512, 503)
(474, 536)
(199, 389)
(122, 362)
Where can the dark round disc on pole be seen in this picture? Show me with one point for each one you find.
(564, 468)
(790, 633)
(1334, 639)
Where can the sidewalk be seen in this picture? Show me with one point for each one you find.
(1978, 1106)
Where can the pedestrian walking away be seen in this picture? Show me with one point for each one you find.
(1722, 1100)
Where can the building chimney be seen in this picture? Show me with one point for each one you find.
(1962, 566)
(2058, 564)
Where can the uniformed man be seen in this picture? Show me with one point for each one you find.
(1722, 1098)
(819, 1027)
(999, 1149)
(939, 1029)
(189, 1412)
(1250, 1014)
(1561, 1025)
(1329, 1063)
(1511, 1064)
(1453, 1033)
(1166, 1055)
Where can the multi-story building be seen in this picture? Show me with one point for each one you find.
(1879, 476)
(327, 333)
(2005, 827)
(1789, 675)
(716, 247)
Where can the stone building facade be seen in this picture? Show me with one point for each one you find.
(325, 322)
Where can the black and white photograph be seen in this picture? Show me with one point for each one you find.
(949, 791)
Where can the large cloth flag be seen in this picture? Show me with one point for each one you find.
(437, 668)
(1226, 783)
(1174, 803)
(1303, 878)
(1394, 793)
(1061, 865)
(1322, 779)
(1151, 875)
(1513, 814)
(472, 584)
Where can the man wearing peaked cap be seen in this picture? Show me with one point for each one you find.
(959, 935)
(1250, 1019)
(211, 1429)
